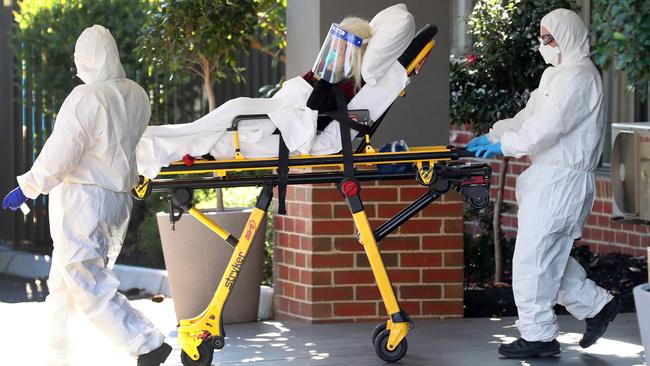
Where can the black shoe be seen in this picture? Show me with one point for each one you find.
(155, 357)
(597, 325)
(521, 348)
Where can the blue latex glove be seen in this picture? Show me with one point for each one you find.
(489, 151)
(14, 199)
(476, 142)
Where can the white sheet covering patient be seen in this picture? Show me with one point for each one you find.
(161, 145)
(287, 110)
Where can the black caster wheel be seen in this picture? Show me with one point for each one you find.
(477, 196)
(217, 342)
(441, 186)
(375, 332)
(205, 356)
(389, 356)
(477, 203)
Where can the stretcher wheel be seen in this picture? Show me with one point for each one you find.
(389, 356)
(217, 342)
(477, 203)
(477, 196)
(441, 186)
(205, 356)
(378, 329)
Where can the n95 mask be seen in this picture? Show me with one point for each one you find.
(550, 54)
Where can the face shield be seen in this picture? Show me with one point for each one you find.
(336, 58)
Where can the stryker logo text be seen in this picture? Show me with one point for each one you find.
(234, 270)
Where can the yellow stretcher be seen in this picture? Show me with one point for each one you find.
(436, 167)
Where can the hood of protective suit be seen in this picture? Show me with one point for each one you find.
(570, 34)
(96, 56)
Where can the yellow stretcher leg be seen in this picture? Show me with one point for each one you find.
(399, 324)
(208, 325)
(397, 330)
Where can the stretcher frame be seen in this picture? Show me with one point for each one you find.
(436, 167)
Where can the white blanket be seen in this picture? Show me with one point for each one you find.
(287, 110)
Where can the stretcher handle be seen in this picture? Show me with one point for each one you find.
(357, 115)
(461, 152)
(244, 117)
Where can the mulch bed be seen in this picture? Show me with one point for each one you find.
(618, 273)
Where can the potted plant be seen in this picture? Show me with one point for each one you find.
(196, 257)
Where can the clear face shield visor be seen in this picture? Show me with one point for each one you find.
(335, 61)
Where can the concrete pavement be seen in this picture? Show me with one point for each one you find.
(444, 343)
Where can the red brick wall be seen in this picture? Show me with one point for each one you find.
(321, 273)
(599, 233)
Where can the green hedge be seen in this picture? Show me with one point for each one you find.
(620, 36)
(495, 79)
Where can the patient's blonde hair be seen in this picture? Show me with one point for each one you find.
(360, 28)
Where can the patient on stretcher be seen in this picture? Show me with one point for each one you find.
(293, 111)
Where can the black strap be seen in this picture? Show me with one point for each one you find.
(283, 176)
(341, 115)
(345, 120)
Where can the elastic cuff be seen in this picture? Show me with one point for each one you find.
(145, 343)
(26, 187)
(600, 306)
(505, 148)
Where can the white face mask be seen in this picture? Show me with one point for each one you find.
(550, 54)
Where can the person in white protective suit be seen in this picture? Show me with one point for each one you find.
(561, 131)
(87, 166)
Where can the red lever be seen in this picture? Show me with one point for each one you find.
(350, 188)
(188, 160)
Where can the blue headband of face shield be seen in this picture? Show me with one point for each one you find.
(341, 33)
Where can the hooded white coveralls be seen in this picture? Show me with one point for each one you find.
(88, 166)
(561, 131)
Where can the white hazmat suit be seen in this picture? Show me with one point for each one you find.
(87, 167)
(561, 131)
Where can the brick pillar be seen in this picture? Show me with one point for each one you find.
(322, 273)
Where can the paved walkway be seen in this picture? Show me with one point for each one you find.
(454, 342)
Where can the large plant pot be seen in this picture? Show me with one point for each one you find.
(196, 258)
(642, 302)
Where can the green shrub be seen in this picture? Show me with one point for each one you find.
(620, 35)
(495, 80)
(479, 249)
(47, 32)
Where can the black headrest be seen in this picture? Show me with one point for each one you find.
(421, 39)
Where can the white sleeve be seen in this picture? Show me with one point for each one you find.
(62, 150)
(511, 124)
(562, 112)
